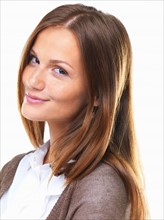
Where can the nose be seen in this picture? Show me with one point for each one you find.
(36, 80)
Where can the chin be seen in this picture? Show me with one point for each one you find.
(32, 117)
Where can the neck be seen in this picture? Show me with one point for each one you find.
(55, 131)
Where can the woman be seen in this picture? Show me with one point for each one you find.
(75, 75)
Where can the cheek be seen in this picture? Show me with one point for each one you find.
(67, 93)
(24, 76)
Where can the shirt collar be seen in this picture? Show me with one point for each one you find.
(36, 159)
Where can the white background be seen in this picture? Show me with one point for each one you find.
(144, 23)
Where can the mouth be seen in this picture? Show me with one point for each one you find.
(34, 99)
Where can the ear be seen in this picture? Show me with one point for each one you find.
(96, 102)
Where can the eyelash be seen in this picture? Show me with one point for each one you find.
(64, 73)
(31, 57)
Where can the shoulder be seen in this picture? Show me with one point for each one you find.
(101, 194)
(103, 181)
(13, 163)
(104, 175)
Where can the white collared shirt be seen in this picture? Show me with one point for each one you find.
(32, 195)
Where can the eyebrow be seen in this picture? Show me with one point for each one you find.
(52, 61)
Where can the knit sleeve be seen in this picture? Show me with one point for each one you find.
(100, 195)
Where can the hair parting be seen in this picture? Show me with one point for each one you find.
(103, 133)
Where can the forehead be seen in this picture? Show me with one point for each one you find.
(59, 43)
(57, 39)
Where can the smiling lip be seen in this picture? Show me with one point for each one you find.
(34, 99)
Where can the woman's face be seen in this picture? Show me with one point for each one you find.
(54, 79)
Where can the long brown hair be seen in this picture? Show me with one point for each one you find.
(106, 132)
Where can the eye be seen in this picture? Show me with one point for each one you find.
(60, 71)
(33, 59)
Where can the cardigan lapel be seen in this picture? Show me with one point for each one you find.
(61, 207)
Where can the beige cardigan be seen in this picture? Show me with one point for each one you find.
(99, 196)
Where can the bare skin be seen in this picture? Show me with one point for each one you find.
(54, 81)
